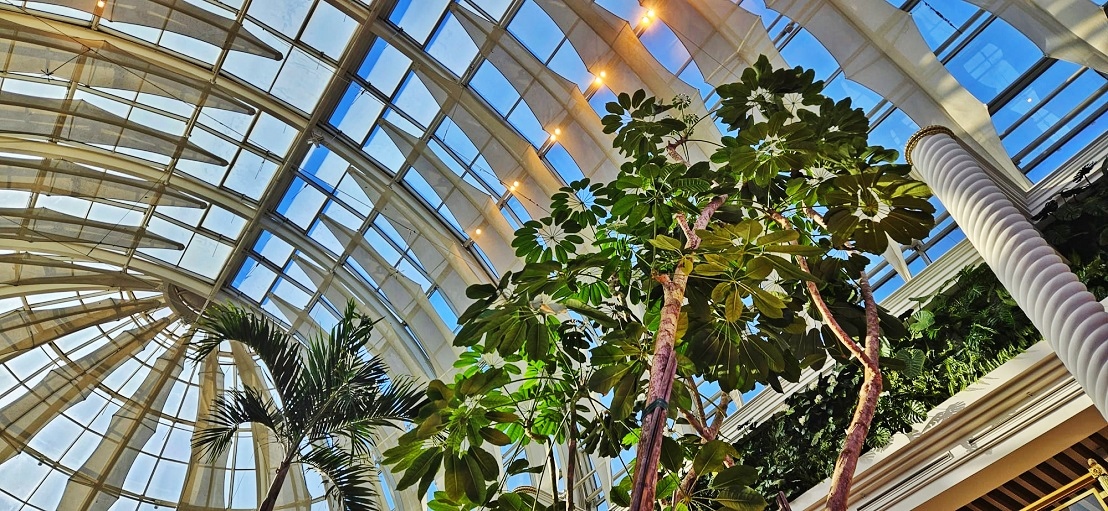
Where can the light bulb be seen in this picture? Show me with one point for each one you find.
(477, 232)
(100, 3)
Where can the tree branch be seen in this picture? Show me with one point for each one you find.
(697, 398)
(690, 234)
(821, 305)
(700, 428)
(708, 211)
(720, 414)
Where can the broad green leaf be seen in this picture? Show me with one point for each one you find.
(427, 461)
(456, 477)
(778, 237)
(673, 456)
(438, 390)
(475, 485)
(733, 307)
(743, 499)
(518, 466)
(486, 462)
(429, 426)
(496, 416)
(495, 436)
(605, 378)
(429, 477)
(711, 455)
(664, 242)
(623, 400)
(737, 475)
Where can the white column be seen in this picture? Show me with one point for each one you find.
(1069, 317)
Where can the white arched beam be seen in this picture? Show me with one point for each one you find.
(554, 100)
(1073, 30)
(474, 208)
(723, 38)
(22, 330)
(61, 177)
(66, 385)
(880, 46)
(601, 37)
(178, 17)
(92, 487)
(204, 481)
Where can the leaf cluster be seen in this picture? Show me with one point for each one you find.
(560, 349)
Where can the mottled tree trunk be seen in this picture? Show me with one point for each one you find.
(868, 355)
(663, 367)
(863, 413)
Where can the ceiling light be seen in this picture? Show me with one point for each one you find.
(100, 4)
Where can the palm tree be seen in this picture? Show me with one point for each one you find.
(331, 399)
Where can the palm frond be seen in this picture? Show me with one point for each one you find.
(336, 360)
(351, 477)
(357, 435)
(353, 330)
(228, 412)
(399, 401)
(277, 350)
(358, 411)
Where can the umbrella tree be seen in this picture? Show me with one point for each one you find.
(740, 270)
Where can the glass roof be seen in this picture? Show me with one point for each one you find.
(295, 154)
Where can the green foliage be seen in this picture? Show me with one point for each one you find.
(1079, 229)
(560, 350)
(963, 332)
(331, 398)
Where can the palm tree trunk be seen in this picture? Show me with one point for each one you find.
(278, 481)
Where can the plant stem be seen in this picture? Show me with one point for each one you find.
(553, 474)
(571, 459)
(863, 413)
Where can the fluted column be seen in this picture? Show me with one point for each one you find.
(1069, 317)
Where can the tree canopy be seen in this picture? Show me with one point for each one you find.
(728, 273)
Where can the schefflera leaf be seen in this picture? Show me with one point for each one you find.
(876, 204)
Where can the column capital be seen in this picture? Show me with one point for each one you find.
(923, 132)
